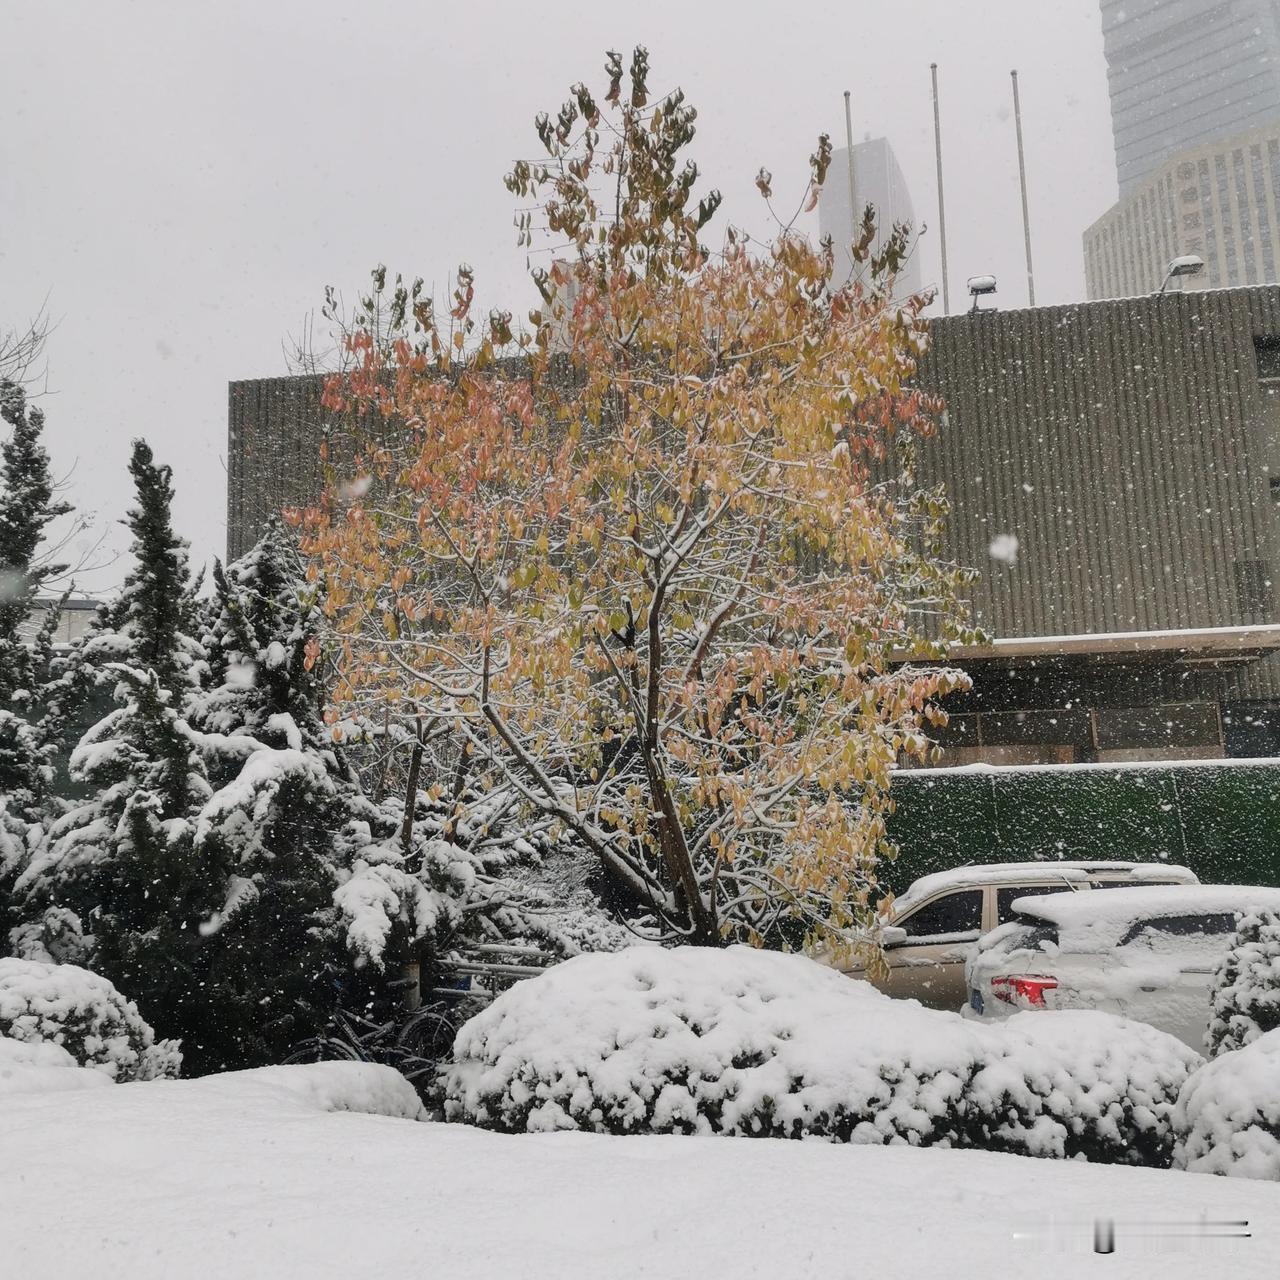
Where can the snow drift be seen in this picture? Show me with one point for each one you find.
(364, 1088)
(39, 1066)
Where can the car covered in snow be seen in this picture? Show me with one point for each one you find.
(1148, 953)
(930, 929)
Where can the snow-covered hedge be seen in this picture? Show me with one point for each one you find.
(84, 1014)
(752, 1043)
(1228, 1117)
(1076, 1083)
(1246, 989)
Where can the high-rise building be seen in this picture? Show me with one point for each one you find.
(1220, 201)
(878, 181)
(1195, 113)
(1184, 73)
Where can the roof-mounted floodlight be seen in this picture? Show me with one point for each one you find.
(980, 286)
(1187, 265)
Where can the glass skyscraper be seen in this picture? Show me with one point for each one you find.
(1184, 73)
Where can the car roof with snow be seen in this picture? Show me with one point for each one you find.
(1079, 871)
(1104, 917)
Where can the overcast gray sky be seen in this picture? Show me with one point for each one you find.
(181, 180)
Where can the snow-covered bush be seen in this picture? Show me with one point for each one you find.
(83, 1013)
(1246, 989)
(40, 1066)
(1078, 1083)
(746, 1042)
(708, 1041)
(1228, 1116)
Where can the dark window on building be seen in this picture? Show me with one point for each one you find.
(1267, 351)
(1064, 727)
(1264, 218)
(1210, 234)
(1242, 208)
(1224, 208)
(1185, 724)
(959, 912)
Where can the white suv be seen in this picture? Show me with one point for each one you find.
(932, 926)
(1145, 953)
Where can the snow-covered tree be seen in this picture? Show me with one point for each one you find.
(28, 505)
(285, 813)
(477, 871)
(1246, 989)
(658, 561)
(123, 861)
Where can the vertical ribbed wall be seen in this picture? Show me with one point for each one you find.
(1120, 442)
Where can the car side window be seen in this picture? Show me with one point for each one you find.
(1188, 926)
(945, 917)
(1005, 898)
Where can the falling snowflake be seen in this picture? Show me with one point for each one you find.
(1004, 547)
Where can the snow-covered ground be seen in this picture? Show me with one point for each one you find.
(285, 1173)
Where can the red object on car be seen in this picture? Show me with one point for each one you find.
(1030, 989)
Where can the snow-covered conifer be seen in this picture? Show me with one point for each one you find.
(1246, 991)
(123, 860)
(285, 811)
(27, 506)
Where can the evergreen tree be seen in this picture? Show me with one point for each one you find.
(283, 823)
(124, 860)
(1245, 1003)
(27, 507)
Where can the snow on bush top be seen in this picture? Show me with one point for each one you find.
(1228, 1117)
(81, 1011)
(700, 1040)
(39, 1066)
(740, 1041)
(1246, 988)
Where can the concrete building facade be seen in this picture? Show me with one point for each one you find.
(1113, 470)
(1125, 451)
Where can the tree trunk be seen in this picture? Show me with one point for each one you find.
(675, 852)
(410, 805)
(411, 974)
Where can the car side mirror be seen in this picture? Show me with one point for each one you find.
(892, 935)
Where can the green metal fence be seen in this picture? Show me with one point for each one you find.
(1221, 818)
